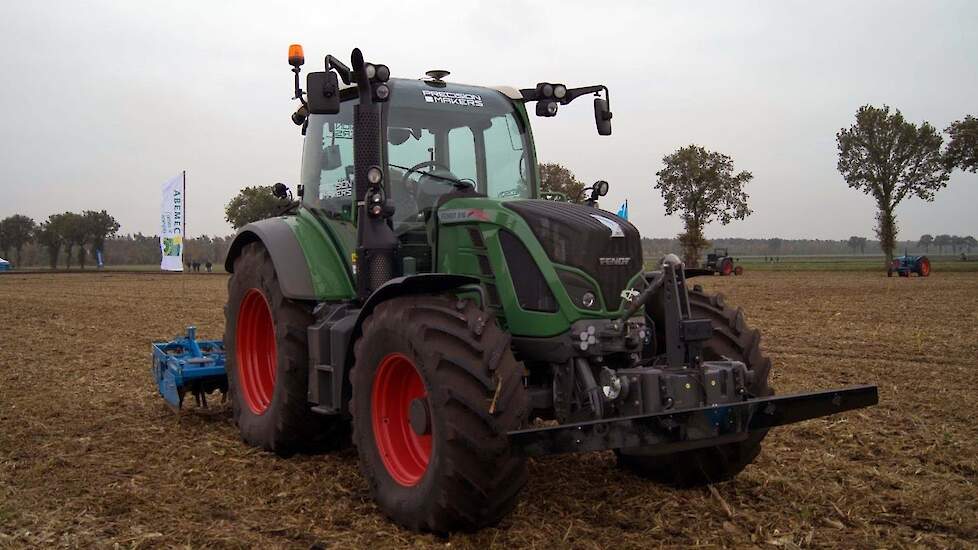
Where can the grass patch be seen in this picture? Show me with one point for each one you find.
(846, 264)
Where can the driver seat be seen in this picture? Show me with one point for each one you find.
(411, 231)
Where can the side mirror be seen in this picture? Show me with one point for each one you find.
(323, 93)
(602, 116)
(331, 157)
(397, 136)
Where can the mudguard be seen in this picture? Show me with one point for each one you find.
(306, 257)
(425, 283)
(332, 340)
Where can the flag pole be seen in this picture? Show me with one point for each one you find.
(183, 249)
(185, 204)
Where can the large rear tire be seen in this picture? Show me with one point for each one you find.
(267, 361)
(726, 267)
(435, 390)
(923, 267)
(735, 340)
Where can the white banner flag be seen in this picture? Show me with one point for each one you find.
(172, 224)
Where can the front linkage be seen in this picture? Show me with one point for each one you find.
(681, 430)
(683, 404)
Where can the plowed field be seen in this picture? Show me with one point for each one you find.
(90, 456)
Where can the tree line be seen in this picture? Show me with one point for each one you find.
(954, 241)
(72, 239)
(654, 248)
(881, 154)
(85, 232)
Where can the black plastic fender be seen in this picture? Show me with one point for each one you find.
(287, 256)
(332, 339)
(424, 283)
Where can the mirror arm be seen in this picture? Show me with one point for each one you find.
(530, 94)
(346, 75)
(574, 93)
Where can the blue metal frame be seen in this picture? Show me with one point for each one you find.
(187, 364)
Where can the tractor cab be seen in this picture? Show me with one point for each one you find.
(442, 140)
(381, 157)
(717, 254)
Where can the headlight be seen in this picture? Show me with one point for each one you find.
(374, 175)
(581, 292)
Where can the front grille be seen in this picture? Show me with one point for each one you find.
(571, 236)
(532, 290)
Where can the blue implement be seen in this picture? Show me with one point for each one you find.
(187, 364)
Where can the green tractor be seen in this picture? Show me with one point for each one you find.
(422, 300)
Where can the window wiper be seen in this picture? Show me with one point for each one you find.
(458, 184)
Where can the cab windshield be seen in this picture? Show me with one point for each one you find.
(440, 139)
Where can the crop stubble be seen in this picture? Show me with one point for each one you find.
(90, 456)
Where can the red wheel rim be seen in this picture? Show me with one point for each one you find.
(925, 268)
(405, 454)
(727, 267)
(255, 351)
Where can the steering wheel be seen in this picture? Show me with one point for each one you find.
(406, 178)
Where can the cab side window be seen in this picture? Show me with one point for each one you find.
(327, 163)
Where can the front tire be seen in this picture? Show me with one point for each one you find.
(735, 340)
(435, 390)
(267, 361)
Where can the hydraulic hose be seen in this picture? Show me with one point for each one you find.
(590, 387)
(642, 299)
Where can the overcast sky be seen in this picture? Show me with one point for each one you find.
(100, 102)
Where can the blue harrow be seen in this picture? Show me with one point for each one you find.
(187, 364)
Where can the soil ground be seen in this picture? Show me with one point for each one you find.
(90, 456)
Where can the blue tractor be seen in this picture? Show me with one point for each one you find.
(906, 265)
